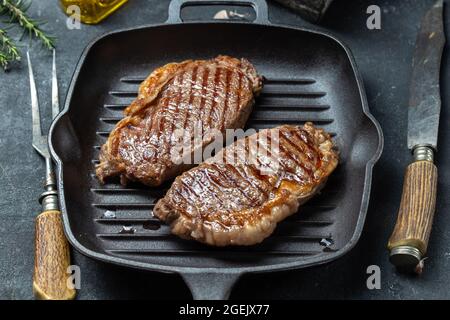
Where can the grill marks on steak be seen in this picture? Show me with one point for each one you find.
(222, 203)
(215, 94)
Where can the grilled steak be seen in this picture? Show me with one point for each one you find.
(192, 95)
(233, 200)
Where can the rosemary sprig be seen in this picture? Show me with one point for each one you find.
(8, 46)
(4, 60)
(8, 50)
(17, 12)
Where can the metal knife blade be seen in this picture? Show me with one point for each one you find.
(425, 100)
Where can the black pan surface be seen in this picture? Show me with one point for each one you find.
(311, 76)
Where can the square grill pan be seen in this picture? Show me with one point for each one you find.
(310, 76)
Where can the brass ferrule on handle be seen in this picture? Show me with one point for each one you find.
(423, 153)
(49, 198)
(409, 240)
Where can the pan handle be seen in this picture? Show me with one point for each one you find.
(260, 7)
(210, 285)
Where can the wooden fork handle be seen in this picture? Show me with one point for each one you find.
(416, 212)
(52, 259)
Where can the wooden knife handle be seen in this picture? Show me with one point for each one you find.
(417, 206)
(52, 259)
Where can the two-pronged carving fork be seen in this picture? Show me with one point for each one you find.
(52, 256)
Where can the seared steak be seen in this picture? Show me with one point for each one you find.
(239, 202)
(210, 94)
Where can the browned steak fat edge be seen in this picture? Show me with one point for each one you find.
(221, 203)
(215, 94)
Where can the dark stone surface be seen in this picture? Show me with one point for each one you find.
(384, 58)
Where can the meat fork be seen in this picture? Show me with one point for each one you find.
(52, 256)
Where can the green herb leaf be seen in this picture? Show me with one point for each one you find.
(8, 50)
(17, 12)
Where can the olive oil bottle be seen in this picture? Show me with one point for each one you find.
(92, 11)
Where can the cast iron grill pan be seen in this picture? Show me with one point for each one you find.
(309, 77)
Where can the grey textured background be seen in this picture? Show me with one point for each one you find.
(384, 57)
